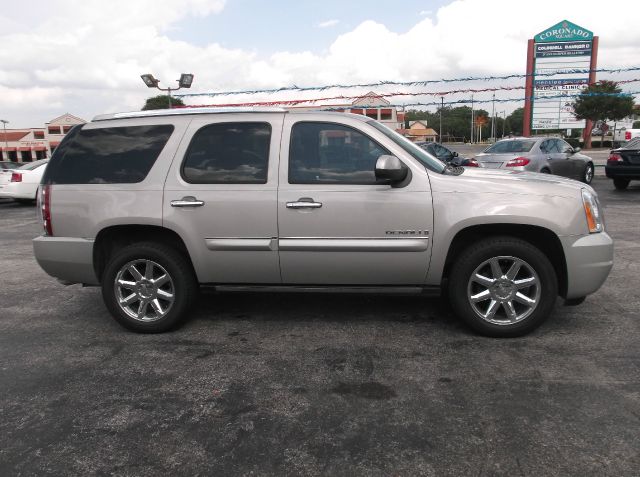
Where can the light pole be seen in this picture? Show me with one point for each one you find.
(184, 82)
(441, 108)
(4, 126)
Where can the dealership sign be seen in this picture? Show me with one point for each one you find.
(558, 67)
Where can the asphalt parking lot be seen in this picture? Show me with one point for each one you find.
(304, 384)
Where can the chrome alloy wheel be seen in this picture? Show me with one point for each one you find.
(144, 290)
(504, 290)
(588, 174)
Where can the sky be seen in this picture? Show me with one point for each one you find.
(85, 57)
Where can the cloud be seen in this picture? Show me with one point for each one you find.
(85, 57)
(425, 12)
(328, 23)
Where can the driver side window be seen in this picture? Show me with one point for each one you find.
(327, 153)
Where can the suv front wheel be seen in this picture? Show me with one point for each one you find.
(503, 286)
(148, 287)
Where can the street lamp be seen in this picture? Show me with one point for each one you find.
(184, 82)
(4, 126)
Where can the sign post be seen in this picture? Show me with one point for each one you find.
(553, 56)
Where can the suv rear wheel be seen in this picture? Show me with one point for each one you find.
(503, 286)
(148, 287)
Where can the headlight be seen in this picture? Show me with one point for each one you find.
(592, 212)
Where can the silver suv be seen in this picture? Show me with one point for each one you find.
(149, 205)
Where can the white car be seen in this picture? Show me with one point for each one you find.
(22, 184)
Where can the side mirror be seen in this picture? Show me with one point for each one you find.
(455, 154)
(391, 168)
(577, 149)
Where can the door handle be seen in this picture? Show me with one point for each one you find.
(304, 203)
(187, 201)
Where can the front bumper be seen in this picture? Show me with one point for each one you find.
(630, 172)
(589, 260)
(66, 258)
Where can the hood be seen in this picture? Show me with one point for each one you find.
(508, 182)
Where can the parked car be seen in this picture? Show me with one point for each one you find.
(445, 154)
(148, 205)
(22, 184)
(623, 164)
(548, 155)
(626, 134)
(9, 165)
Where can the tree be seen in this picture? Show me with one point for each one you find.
(602, 101)
(161, 102)
(514, 123)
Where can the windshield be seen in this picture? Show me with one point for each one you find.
(9, 165)
(510, 145)
(32, 165)
(416, 152)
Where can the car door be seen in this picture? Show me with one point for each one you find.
(220, 196)
(337, 225)
(575, 163)
(556, 159)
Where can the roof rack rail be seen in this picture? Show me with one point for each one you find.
(187, 111)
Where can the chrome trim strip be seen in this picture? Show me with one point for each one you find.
(354, 244)
(231, 244)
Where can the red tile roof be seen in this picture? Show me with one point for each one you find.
(12, 135)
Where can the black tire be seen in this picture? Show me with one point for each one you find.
(183, 286)
(503, 247)
(545, 171)
(587, 175)
(621, 184)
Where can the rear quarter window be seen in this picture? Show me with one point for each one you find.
(115, 155)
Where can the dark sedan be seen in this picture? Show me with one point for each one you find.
(445, 154)
(623, 165)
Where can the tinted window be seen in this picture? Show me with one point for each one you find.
(510, 145)
(322, 153)
(119, 155)
(563, 146)
(228, 153)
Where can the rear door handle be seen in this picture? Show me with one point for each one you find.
(187, 201)
(304, 203)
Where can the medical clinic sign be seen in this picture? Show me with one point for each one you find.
(552, 83)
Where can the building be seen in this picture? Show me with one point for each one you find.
(26, 145)
(420, 131)
(371, 105)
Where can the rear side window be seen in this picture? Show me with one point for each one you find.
(228, 153)
(118, 155)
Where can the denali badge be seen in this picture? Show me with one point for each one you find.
(424, 233)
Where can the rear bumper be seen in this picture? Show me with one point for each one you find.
(589, 260)
(66, 258)
(623, 172)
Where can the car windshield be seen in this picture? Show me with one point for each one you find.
(32, 165)
(416, 152)
(10, 165)
(509, 146)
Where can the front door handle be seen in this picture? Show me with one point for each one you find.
(187, 201)
(304, 203)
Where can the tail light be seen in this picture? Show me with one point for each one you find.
(627, 136)
(472, 163)
(16, 177)
(615, 158)
(45, 208)
(518, 162)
